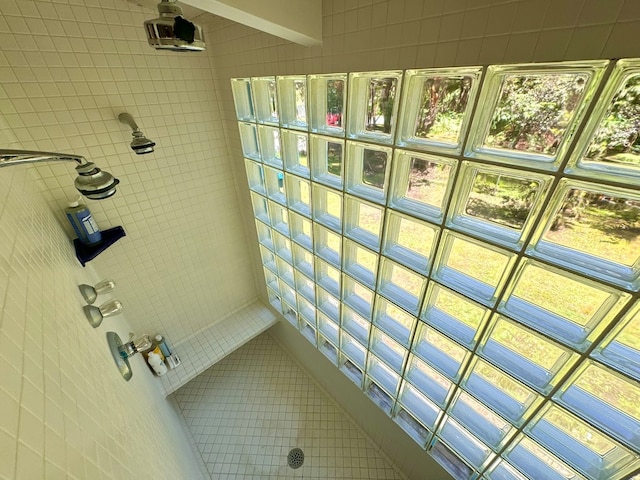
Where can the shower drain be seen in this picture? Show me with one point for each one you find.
(295, 459)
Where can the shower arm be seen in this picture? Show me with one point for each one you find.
(17, 157)
(127, 119)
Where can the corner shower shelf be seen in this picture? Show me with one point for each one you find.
(85, 253)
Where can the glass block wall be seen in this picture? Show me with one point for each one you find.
(464, 245)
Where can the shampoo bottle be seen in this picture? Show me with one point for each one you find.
(156, 363)
(83, 223)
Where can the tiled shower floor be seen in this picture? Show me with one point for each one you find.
(248, 410)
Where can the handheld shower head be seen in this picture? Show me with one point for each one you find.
(140, 144)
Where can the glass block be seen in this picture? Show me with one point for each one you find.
(303, 260)
(502, 393)
(590, 230)
(464, 443)
(308, 332)
(328, 277)
(328, 328)
(328, 349)
(532, 111)
(440, 352)
(241, 89)
(503, 471)
(450, 461)
(274, 181)
(327, 245)
(255, 176)
(295, 152)
(327, 101)
(249, 140)
(274, 299)
(292, 97)
(327, 207)
(279, 218)
(378, 396)
(453, 314)
(427, 412)
(394, 321)
(287, 294)
(383, 375)
(307, 311)
(391, 352)
(608, 145)
(282, 247)
(528, 356)
(412, 427)
(265, 237)
(605, 399)
(401, 285)
(268, 259)
(305, 286)
(428, 381)
(409, 241)
(357, 296)
(571, 309)
(421, 184)
(436, 108)
(328, 304)
(373, 105)
(271, 279)
(471, 267)
(580, 445)
(260, 208)
(301, 230)
(621, 347)
(290, 313)
(496, 203)
(353, 349)
(537, 462)
(363, 222)
(367, 172)
(298, 194)
(351, 370)
(491, 429)
(360, 263)
(285, 272)
(327, 160)
(270, 146)
(357, 326)
(265, 100)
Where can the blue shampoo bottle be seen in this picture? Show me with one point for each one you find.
(83, 223)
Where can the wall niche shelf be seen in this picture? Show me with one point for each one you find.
(85, 253)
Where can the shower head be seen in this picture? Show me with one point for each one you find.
(140, 144)
(171, 31)
(92, 182)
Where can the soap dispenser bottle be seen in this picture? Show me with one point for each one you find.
(83, 223)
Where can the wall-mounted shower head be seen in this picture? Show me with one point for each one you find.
(171, 31)
(140, 144)
(92, 182)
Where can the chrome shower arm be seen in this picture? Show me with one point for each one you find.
(15, 157)
(127, 119)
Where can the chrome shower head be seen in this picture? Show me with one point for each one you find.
(171, 31)
(140, 144)
(91, 182)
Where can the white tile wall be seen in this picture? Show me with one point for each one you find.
(249, 410)
(67, 69)
(65, 412)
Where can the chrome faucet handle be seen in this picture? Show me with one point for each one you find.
(90, 293)
(95, 314)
